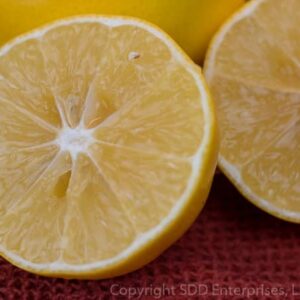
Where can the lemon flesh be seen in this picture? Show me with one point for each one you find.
(253, 69)
(107, 146)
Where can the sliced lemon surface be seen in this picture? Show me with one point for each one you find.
(108, 146)
(253, 69)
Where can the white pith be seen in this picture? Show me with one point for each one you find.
(74, 140)
(78, 140)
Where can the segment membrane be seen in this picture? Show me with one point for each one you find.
(19, 170)
(36, 221)
(276, 173)
(256, 53)
(73, 54)
(156, 122)
(97, 225)
(24, 81)
(19, 129)
(130, 71)
(147, 185)
(251, 118)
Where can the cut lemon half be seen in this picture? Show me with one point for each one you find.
(107, 146)
(253, 69)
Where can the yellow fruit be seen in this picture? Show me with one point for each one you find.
(253, 69)
(190, 22)
(107, 146)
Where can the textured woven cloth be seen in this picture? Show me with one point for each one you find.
(233, 251)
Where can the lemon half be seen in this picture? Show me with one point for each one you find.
(108, 146)
(253, 70)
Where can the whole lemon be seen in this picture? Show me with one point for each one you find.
(190, 22)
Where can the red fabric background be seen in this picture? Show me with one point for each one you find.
(232, 244)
